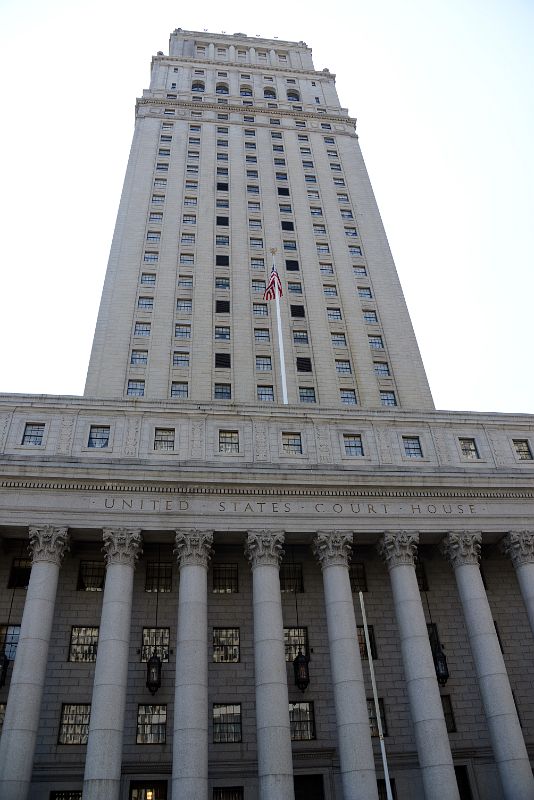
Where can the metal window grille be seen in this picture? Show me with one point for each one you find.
(182, 331)
(33, 433)
(222, 332)
(68, 795)
(329, 291)
(382, 369)
(306, 394)
(363, 644)
(226, 645)
(158, 576)
(180, 359)
(151, 724)
(469, 448)
(353, 444)
(295, 640)
(150, 258)
(388, 399)
(300, 337)
(136, 388)
(19, 575)
(155, 639)
(376, 343)
(142, 329)
(301, 721)
(226, 722)
(348, 396)
(343, 368)
(9, 638)
(258, 286)
(225, 578)
(98, 436)
(91, 576)
(358, 577)
(228, 441)
(148, 279)
(339, 340)
(74, 724)
(292, 443)
(179, 389)
(522, 449)
(291, 579)
(265, 394)
(262, 335)
(222, 391)
(260, 309)
(334, 314)
(373, 723)
(83, 644)
(370, 317)
(359, 270)
(448, 713)
(228, 793)
(412, 446)
(164, 439)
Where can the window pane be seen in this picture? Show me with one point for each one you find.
(226, 645)
(151, 724)
(225, 578)
(226, 722)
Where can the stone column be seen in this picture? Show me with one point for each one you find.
(463, 552)
(275, 761)
(17, 745)
(399, 551)
(519, 546)
(356, 758)
(122, 547)
(190, 743)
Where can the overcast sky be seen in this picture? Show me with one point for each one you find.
(443, 94)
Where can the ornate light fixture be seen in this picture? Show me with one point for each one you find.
(153, 666)
(300, 662)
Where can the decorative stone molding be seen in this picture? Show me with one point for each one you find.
(48, 543)
(462, 547)
(332, 548)
(122, 545)
(398, 548)
(264, 548)
(193, 548)
(519, 547)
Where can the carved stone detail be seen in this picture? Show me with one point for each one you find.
(131, 444)
(264, 548)
(64, 443)
(193, 547)
(519, 547)
(384, 445)
(5, 419)
(322, 438)
(332, 548)
(462, 547)
(197, 439)
(48, 543)
(122, 545)
(398, 547)
(261, 442)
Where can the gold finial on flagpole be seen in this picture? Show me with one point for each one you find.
(273, 250)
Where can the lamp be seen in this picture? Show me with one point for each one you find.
(153, 666)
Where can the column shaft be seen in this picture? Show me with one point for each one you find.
(519, 546)
(525, 577)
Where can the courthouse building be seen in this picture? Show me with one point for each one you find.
(174, 540)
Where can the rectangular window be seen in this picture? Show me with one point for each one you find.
(353, 444)
(338, 340)
(301, 721)
(182, 331)
(135, 389)
(265, 394)
(291, 579)
(180, 389)
(33, 434)
(370, 317)
(468, 448)
(222, 241)
(226, 722)
(260, 309)
(74, 723)
(334, 314)
(222, 391)
(153, 236)
(98, 436)
(304, 365)
(382, 369)
(326, 269)
(155, 639)
(297, 312)
(187, 259)
(348, 397)
(355, 251)
(228, 792)
(306, 394)
(420, 574)
(258, 286)
(376, 343)
(222, 261)
(364, 655)
(295, 642)
(190, 201)
(180, 359)
(263, 363)
(228, 441)
(256, 243)
(68, 795)
(158, 198)
(358, 577)
(164, 439)
(292, 443)
(223, 360)
(142, 329)
(9, 639)
(226, 645)
(185, 281)
(151, 724)
(148, 279)
(359, 271)
(254, 224)
(412, 446)
(373, 722)
(189, 219)
(158, 576)
(91, 576)
(365, 293)
(225, 578)
(388, 399)
(323, 249)
(343, 367)
(222, 283)
(346, 213)
(522, 449)
(262, 335)
(83, 644)
(300, 337)
(294, 288)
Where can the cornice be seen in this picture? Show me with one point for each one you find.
(246, 67)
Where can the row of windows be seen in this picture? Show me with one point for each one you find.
(245, 90)
(264, 393)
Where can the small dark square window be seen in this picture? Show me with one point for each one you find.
(222, 306)
(292, 265)
(223, 360)
(158, 576)
(225, 221)
(19, 576)
(287, 225)
(358, 578)
(304, 365)
(91, 576)
(297, 311)
(225, 578)
(222, 261)
(291, 579)
(283, 191)
(222, 187)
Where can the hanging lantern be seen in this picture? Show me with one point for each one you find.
(302, 672)
(440, 664)
(4, 664)
(153, 673)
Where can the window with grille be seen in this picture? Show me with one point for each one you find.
(348, 397)
(74, 723)
(155, 639)
(222, 333)
(164, 439)
(258, 286)
(182, 331)
(358, 577)
(261, 335)
(306, 394)
(180, 389)
(222, 391)
(226, 722)
(363, 644)
(226, 645)
(151, 724)
(373, 722)
(382, 369)
(187, 259)
(420, 573)
(260, 309)
(343, 367)
(292, 443)
(334, 314)
(295, 641)
(291, 578)
(228, 441)
(139, 357)
(300, 337)
(225, 578)
(301, 721)
(223, 360)
(83, 644)
(98, 436)
(228, 793)
(9, 639)
(68, 795)
(353, 444)
(135, 389)
(33, 433)
(448, 713)
(339, 340)
(359, 270)
(19, 574)
(468, 448)
(388, 399)
(265, 394)
(180, 359)
(297, 312)
(91, 576)
(158, 577)
(222, 283)
(370, 317)
(522, 449)
(412, 447)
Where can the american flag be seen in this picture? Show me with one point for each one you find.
(274, 286)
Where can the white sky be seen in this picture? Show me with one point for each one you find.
(443, 93)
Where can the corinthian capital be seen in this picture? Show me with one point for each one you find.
(462, 547)
(398, 547)
(332, 548)
(193, 547)
(264, 548)
(519, 546)
(122, 545)
(48, 543)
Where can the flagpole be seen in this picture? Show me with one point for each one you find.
(375, 698)
(280, 339)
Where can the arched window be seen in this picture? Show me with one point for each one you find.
(269, 93)
(222, 88)
(245, 91)
(293, 96)
(198, 86)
